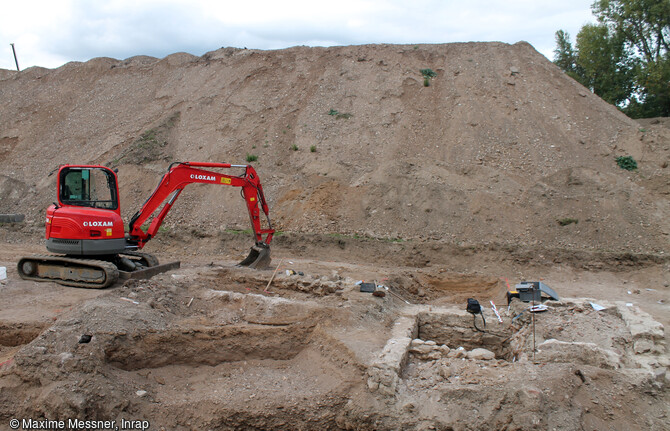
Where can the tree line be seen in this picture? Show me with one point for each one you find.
(624, 58)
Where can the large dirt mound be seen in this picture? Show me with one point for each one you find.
(498, 148)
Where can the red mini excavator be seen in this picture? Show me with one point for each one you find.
(86, 229)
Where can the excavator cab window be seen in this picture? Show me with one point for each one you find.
(88, 187)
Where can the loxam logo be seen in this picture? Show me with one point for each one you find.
(98, 224)
(202, 177)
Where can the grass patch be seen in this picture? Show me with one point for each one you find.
(626, 162)
(239, 231)
(161, 229)
(312, 149)
(340, 115)
(251, 157)
(341, 236)
(294, 147)
(427, 74)
(566, 221)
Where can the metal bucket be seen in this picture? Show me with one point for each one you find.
(258, 258)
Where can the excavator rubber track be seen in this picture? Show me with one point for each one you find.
(68, 271)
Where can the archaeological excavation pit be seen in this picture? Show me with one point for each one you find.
(456, 330)
(222, 327)
(18, 334)
(206, 359)
(445, 288)
(15, 336)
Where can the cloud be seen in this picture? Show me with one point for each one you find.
(50, 33)
(98, 29)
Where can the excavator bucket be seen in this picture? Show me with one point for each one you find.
(258, 258)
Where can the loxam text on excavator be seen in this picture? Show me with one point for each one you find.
(84, 227)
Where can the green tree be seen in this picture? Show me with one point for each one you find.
(644, 25)
(604, 64)
(600, 62)
(564, 55)
(653, 98)
(625, 58)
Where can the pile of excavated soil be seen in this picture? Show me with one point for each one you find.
(498, 149)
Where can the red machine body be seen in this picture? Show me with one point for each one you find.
(85, 223)
(87, 218)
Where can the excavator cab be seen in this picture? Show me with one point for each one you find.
(93, 187)
(86, 220)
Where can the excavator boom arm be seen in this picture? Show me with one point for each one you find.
(179, 175)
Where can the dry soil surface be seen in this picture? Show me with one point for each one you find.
(502, 169)
(208, 347)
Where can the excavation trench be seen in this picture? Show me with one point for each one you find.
(207, 345)
(233, 376)
(18, 334)
(15, 335)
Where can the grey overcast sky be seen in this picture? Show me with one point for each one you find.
(54, 32)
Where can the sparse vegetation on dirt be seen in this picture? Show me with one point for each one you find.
(427, 74)
(149, 146)
(567, 221)
(340, 115)
(626, 162)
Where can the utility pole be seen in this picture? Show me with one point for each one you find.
(15, 60)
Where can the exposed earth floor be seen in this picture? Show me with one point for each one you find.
(211, 346)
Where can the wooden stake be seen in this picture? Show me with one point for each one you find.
(400, 297)
(532, 312)
(273, 276)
